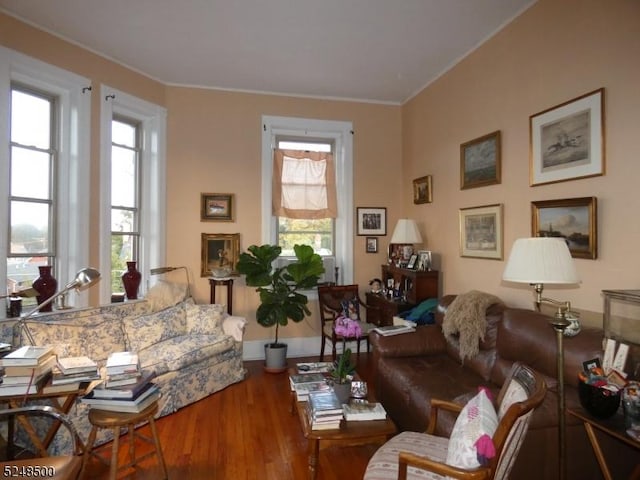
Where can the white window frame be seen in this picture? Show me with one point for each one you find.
(153, 119)
(338, 132)
(73, 168)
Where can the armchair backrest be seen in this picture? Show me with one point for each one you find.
(330, 298)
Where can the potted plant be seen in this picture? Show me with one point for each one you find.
(280, 289)
(342, 373)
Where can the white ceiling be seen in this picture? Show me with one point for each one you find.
(368, 50)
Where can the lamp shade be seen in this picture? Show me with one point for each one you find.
(406, 231)
(540, 260)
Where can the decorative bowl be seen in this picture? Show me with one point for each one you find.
(220, 272)
(599, 402)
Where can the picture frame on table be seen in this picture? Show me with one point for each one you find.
(371, 244)
(481, 232)
(573, 219)
(372, 221)
(412, 261)
(480, 161)
(567, 141)
(422, 191)
(216, 207)
(219, 250)
(424, 260)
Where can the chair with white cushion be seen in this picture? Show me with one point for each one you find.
(484, 443)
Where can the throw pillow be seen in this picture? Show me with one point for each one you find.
(205, 319)
(351, 309)
(165, 294)
(471, 443)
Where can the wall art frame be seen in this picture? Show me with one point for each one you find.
(481, 232)
(216, 207)
(567, 142)
(217, 245)
(574, 219)
(372, 221)
(371, 244)
(481, 161)
(422, 190)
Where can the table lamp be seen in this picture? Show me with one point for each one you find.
(84, 279)
(163, 270)
(540, 261)
(406, 234)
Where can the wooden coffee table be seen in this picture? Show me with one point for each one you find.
(349, 433)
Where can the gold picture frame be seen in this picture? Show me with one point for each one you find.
(574, 219)
(216, 207)
(215, 245)
(481, 232)
(480, 161)
(422, 191)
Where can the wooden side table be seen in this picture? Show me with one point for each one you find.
(227, 282)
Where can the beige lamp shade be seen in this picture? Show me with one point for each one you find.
(406, 231)
(540, 260)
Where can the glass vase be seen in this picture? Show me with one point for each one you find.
(46, 286)
(131, 281)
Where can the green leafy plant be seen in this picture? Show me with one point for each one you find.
(279, 288)
(343, 367)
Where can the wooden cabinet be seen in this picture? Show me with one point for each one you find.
(412, 286)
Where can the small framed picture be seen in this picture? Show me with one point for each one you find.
(480, 162)
(372, 244)
(412, 262)
(424, 260)
(372, 221)
(481, 232)
(216, 207)
(422, 192)
(591, 364)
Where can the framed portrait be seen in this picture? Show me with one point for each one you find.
(480, 161)
(218, 250)
(216, 207)
(567, 141)
(481, 232)
(424, 260)
(412, 261)
(422, 192)
(372, 244)
(372, 221)
(573, 219)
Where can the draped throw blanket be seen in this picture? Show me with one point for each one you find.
(466, 318)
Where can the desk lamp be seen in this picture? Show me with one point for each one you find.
(405, 234)
(540, 261)
(85, 278)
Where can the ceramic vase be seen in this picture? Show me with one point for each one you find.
(46, 286)
(131, 281)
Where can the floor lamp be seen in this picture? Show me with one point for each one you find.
(540, 261)
(84, 279)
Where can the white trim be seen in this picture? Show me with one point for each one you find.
(153, 203)
(73, 173)
(340, 132)
(296, 347)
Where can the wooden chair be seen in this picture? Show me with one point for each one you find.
(521, 394)
(63, 467)
(330, 299)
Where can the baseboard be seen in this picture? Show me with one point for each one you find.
(296, 347)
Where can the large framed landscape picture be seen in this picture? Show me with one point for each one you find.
(480, 162)
(573, 219)
(567, 141)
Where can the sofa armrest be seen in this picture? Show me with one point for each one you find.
(234, 326)
(426, 340)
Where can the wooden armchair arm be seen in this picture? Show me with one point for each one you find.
(436, 405)
(424, 463)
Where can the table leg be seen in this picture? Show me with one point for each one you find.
(314, 449)
(598, 451)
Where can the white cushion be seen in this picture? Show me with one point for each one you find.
(477, 421)
(165, 294)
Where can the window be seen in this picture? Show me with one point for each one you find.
(44, 128)
(333, 238)
(132, 173)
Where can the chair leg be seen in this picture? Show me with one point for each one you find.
(114, 454)
(156, 440)
(323, 341)
(368, 345)
(334, 352)
(87, 450)
(358, 348)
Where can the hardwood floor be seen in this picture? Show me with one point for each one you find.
(246, 431)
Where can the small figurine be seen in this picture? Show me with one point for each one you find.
(376, 285)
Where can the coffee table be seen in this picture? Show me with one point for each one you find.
(349, 433)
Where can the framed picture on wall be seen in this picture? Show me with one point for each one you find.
(372, 244)
(567, 141)
(219, 250)
(372, 221)
(573, 219)
(481, 232)
(480, 161)
(216, 207)
(422, 192)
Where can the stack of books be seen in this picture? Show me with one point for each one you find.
(305, 383)
(122, 368)
(324, 410)
(134, 397)
(315, 367)
(389, 330)
(70, 373)
(363, 411)
(26, 370)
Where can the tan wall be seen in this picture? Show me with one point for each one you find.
(554, 52)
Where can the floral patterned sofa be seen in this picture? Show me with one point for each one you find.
(195, 350)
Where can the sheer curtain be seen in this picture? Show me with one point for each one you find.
(304, 184)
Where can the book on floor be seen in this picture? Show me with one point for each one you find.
(364, 411)
(393, 330)
(129, 391)
(27, 356)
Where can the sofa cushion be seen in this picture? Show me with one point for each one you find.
(165, 294)
(146, 330)
(183, 351)
(205, 319)
(471, 443)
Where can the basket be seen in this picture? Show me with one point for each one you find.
(599, 402)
